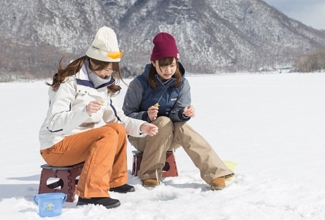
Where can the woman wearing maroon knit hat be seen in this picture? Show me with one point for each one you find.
(161, 95)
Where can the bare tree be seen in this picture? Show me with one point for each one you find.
(312, 62)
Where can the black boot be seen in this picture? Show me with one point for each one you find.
(104, 201)
(123, 189)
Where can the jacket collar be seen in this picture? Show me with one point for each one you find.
(82, 77)
(171, 81)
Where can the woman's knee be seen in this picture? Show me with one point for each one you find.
(164, 123)
(118, 128)
(180, 127)
(137, 142)
(183, 132)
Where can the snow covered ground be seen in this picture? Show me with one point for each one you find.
(271, 125)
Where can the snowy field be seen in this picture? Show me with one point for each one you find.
(271, 125)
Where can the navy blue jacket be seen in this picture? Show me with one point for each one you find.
(172, 101)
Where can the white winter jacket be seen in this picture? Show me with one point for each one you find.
(67, 113)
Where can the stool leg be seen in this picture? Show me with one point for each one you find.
(45, 175)
(65, 175)
(134, 171)
(137, 157)
(74, 173)
(172, 171)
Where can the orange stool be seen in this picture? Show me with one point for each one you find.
(67, 182)
(169, 170)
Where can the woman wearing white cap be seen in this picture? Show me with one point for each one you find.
(81, 96)
(161, 95)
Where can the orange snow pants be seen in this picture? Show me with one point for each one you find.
(102, 149)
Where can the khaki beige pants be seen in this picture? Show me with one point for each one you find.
(104, 152)
(170, 136)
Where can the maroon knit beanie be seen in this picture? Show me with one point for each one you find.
(164, 47)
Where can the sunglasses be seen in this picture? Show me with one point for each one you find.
(115, 55)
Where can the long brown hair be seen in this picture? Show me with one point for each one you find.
(164, 62)
(74, 67)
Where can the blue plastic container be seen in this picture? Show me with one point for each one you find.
(50, 204)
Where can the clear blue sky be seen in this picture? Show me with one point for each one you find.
(309, 12)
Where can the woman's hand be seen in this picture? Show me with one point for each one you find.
(149, 129)
(152, 113)
(93, 107)
(189, 111)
